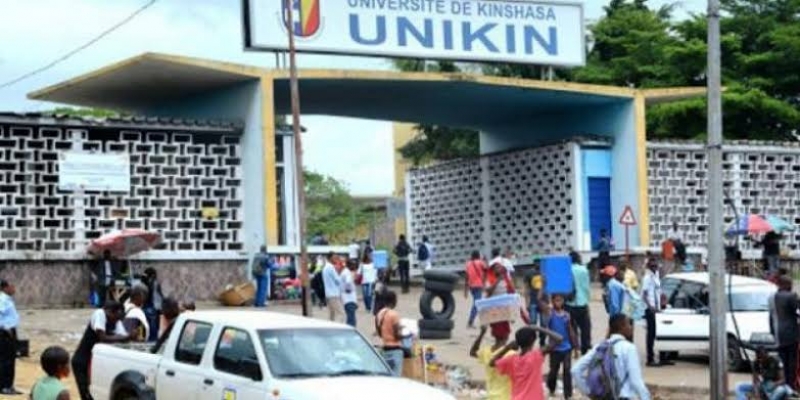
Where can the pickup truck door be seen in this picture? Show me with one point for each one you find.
(236, 373)
(180, 374)
(684, 325)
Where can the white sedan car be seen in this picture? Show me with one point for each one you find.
(684, 325)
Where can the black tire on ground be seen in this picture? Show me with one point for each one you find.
(435, 335)
(426, 305)
(435, 324)
(736, 362)
(439, 286)
(440, 276)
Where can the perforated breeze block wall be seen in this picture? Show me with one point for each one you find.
(761, 178)
(528, 204)
(173, 176)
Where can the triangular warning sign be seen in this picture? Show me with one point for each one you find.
(627, 217)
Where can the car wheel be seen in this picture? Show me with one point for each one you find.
(735, 360)
(440, 276)
(426, 305)
(435, 324)
(439, 286)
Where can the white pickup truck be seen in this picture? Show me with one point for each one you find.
(252, 355)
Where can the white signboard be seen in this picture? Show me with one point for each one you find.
(94, 172)
(517, 31)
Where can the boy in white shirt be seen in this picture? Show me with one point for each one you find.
(349, 294)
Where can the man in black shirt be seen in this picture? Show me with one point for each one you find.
(402, 250)
(771, 251)
(783, 326)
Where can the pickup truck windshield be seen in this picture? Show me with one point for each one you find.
(310, 353)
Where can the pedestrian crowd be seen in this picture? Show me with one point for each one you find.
(560, 323)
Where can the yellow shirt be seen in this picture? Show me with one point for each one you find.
(498, 387)
(630, 280)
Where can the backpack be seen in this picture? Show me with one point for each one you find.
(602, 377)
(422, 252)
(633, 306)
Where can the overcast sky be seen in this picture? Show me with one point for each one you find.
(35, 32)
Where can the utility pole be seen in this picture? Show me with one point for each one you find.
(716, 261)
(298, 156)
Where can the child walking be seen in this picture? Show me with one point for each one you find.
(55, 363)
(498, 387)
(561, 324)
(525, 369)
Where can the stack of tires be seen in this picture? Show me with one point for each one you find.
(437, 322)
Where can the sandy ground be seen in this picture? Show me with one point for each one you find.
(63, 327)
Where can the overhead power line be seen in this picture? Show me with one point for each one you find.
(77, 50)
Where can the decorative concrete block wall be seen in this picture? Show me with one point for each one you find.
(445, 201)
(760, 178)
(531, 198)
(174, 175)
(521, 200)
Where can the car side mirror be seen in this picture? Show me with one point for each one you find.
(251, 369)
(703, 311)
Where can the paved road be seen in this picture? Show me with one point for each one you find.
(64, 327)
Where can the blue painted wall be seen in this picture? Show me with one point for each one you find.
(595, 163)
(241, 102)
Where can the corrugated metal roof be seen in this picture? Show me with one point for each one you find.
(125, 122)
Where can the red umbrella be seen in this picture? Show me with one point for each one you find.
(124, 243)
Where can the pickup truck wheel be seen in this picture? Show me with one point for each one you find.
(735, 361)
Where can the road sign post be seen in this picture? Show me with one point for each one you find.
(627, 219)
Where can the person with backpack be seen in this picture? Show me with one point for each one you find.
(425, 254)
(611, 370)
(525, 368)
(475, 276)
(403, 250)
(262, 270)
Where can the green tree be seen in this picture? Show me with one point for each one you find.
(636, 46)
(330, 210)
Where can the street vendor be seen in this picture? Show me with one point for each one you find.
(104, 272)
(498, 387)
